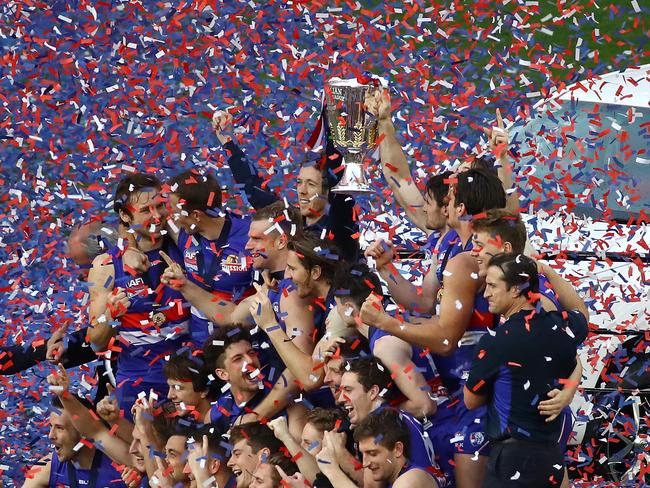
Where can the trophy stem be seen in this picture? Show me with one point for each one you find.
(354, 180)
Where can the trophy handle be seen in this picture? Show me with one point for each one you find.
(354, 180)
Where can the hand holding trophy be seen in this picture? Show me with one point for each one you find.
(353, 130)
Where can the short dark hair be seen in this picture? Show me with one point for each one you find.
(258, 436)
(479, 190)
(484, 162)
(314, 251)
(215, 347)
(505, 225)
(284, 216)
(518, 270)
(183, 366)
(387, 428)
(370, 371)
(217, 447)
(355, 283)
(438, 187)
(166, 423)
(287, 465)
(196, 191)
(127, 186)
(56, 402)
(355, 347)
(326, 419)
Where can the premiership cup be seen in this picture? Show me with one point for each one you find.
(353, 131)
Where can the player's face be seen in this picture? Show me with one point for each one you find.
(63, 435)
(300, 276)
(241, 368)
(484, 247)
(180, 216)
(176, 457)
(261, 246)
(333, 374)
(183, 395)
(436, 214)
(263, 476)
(309, 186)
(499, 297)
(311, 439)
(242, 463)
(138, 449)
(354, 398)
(377, 459)
(148, 214)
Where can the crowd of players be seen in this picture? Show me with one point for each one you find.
(266, 350)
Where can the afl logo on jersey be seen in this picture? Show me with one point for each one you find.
(189, 257)
(234, 264)
(135, 286)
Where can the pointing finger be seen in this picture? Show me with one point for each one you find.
(170, 262)
(499, 120)
(282, 473)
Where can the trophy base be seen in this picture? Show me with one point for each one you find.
(356, 189)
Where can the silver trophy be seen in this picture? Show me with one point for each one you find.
(353, 131)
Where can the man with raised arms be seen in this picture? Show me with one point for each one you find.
(130, 312)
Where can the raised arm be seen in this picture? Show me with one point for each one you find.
(106, 302)
(394, 164)
(396, 355)
(413, 298)
(294, 351)
(218, 310)
(87, 423)
(565, 291)
(243, 172)
(498, 140)
(440, 333)
(305, 461)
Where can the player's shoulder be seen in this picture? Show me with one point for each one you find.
(102, 263)
(239, 225)
(416, 477)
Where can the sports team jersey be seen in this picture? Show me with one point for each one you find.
(454, 368)
(422, 453)
(409, 467)
(156, 321)
(101, 474)
(219, 266)
(225, 411)
(449, 245)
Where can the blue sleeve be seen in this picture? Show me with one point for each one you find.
(578, 325)
(488, 358)
(343, 225)
(246, 174)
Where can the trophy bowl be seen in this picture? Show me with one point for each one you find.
(353, 131)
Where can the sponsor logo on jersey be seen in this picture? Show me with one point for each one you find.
(234, 264)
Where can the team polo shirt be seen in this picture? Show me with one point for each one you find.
(518, 364)
(219, 266)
